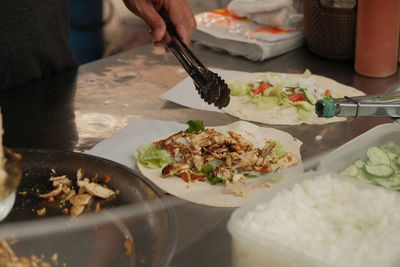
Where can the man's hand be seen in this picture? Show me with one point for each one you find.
(178, 11)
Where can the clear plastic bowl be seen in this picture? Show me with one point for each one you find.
(6, 205)
(8, 189)
(250, 249)
(356, 148)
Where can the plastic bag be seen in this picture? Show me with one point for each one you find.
(220, 30)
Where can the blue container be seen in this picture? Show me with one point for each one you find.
(86, 31)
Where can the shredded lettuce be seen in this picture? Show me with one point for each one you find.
(266, 102)
(151, 157)
(195, 126)
(273, 96)
(276, 95)
(277, 91)
(278, 149)
(240, 89)
(304, 110)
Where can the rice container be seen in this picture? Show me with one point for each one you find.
(352, 224)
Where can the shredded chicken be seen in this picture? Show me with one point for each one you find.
(129, 247)
(53, 193)
(96, 189)
(8, 258)
(80, 200)
(60, 180)
(234, 154)
(66, 192)
(79, 203)
(41, 212)
(61, 183)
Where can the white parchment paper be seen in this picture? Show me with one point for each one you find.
(120, 146)
(185, 94)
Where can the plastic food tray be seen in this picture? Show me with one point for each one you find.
(249, 249)
(343, 156)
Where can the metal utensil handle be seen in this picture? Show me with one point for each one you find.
(391, 97)
(183, 54)
(175, 48)
(177, 42)
(180, 46)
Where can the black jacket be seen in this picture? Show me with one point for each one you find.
(34, 40)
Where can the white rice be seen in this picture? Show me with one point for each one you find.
(332, 220)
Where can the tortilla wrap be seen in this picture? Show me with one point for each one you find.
(212, 195)
(285, 116)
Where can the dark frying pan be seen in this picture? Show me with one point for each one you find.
(139, 212)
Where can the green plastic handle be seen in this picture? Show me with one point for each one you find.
(325, 108)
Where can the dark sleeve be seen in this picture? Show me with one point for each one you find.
(34, 40)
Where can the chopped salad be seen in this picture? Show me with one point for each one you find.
(204, 154)
(281, 90)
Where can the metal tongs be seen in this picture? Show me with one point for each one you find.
(211, 87)
(384, 105)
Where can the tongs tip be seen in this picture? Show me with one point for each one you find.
(211, 87)
(215, 90)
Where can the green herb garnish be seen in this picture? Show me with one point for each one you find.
(207, 169)
(215, 179)
(195, 126)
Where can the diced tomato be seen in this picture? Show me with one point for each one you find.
(185, 176)
(328, 92)
(297, 97)
(265, 169)
(197, 176)
(170, 148)
(261, 88)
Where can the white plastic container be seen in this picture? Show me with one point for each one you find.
(250, 249)
(343, 156)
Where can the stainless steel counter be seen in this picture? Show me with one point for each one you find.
(75, 110)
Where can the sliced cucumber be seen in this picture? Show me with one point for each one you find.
(351, 170)
(359, 163)
(395, 181)
(381, 182)
(381, 166)
(379, 170)
(311, 98)
(363, 175)
(393, 158)
(378, 156)
(392, 147)
(391, 155)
